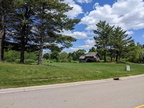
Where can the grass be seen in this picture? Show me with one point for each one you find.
(18, 75)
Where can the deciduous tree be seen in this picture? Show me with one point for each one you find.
(93, 49)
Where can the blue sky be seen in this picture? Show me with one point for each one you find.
(128, 14)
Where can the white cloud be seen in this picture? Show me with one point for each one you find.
(127, 14)
(84, 1)
(69, 1)
(90, 34)
(77, 34)
(129, 32)
(77, 9)
(74, 49)
(143, 36)
(88, 44)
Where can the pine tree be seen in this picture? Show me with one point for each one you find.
(51, 21)
(21, 27)
(120, 40)
(103, 32)
(6, 7)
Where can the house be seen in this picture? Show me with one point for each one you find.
(89, 57)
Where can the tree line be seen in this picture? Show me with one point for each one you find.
(33, 25)
(53, 56)
(115, 43)
(134, 55)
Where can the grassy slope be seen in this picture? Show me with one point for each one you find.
(17, 75)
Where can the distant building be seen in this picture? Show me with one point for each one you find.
(89, 57)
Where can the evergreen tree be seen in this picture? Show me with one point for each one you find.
(21, 27)
(51, 21)
(6, 8)
(120, 40)
(103, 32)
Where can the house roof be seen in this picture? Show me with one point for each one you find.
(91, 54)
(81, 57)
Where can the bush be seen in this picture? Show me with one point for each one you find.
(11, 56)
(70, 59)
(26, 61)
(17, 60)
(64, 60)
(55, 56)
(46, 56)
(29, 61)
(31, 55)
(75, 62)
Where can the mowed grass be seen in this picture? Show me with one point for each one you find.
(18, 75)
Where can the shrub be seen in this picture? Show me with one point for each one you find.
(17, 60)
(70, 59)
(11, 55)
(31, 55)
(29, 61)
(46, 56)
(26, 61)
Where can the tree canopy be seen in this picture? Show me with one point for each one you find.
(104, 32)
(111, 40)
(35, 25)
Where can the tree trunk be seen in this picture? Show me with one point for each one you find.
(41, 47)
(2, 43)
(41, 36)
(24, 35)
(105, 56)
(111, 58)
(1, 60)
(2, 36)
(40, 54)
(3, 46)
(22, 52)
(117, 56)
(23, 44)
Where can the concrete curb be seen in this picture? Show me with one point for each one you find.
(42, 87)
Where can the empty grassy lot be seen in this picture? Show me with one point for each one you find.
(18, 75)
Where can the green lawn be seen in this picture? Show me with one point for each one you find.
(18, 75)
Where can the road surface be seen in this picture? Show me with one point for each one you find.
(124, 93)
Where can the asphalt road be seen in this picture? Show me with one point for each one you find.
(125, 93)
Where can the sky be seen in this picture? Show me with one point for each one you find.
(128, 14)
